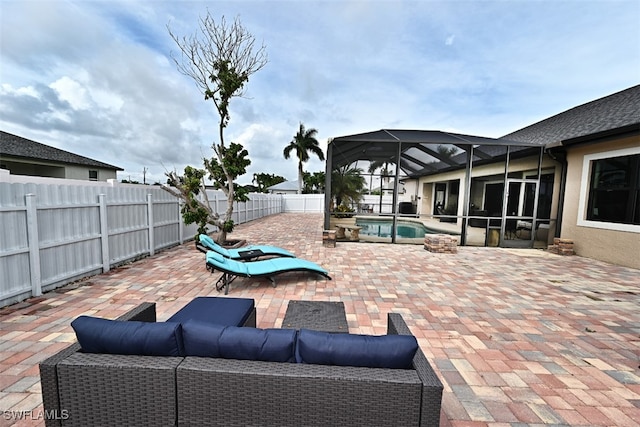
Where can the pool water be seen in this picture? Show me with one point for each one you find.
(382, 228)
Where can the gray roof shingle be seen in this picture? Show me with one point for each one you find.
(13, 145)
(616, 111)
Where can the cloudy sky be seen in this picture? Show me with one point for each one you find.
(96, 77)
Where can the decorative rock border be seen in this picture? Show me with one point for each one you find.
(329, 238)
(441, 243)
(562, 247)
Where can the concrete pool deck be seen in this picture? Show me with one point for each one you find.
(518, 337)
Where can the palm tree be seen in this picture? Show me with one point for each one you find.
(313, 182)
(380, 164)
(303, 142)
(347, 184)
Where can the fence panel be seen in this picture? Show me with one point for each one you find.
(128, 230)
(54, 231)
(303, 202)
(166, 222)
(15, 280)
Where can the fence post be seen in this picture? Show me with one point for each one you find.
(152, 243)
(180, 222)
(104, 233)
(34, 245)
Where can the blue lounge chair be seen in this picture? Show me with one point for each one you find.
(245, 253)
(263, 268)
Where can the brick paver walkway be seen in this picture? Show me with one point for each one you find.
(517, 336)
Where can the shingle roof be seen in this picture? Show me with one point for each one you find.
(13, 145)
(617, 111)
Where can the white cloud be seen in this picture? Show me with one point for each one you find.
(7, 89)
(73, 92)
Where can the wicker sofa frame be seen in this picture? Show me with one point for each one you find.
(81, 389)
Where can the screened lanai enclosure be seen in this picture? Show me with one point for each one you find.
(486, 191)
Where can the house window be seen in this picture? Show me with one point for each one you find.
(93, 175)
(614, 190)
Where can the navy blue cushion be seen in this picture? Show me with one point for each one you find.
(201, 339)
(97, 335)
(218, 310)
(231, 342)
(385, 351)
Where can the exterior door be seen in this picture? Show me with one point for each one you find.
(518, 225)
(440, 198)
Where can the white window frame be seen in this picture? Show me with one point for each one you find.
(584, 191)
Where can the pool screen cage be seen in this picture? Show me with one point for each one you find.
(434, 158)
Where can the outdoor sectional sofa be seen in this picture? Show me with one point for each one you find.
(93, 389)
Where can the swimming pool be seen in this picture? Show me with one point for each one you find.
(382, 228)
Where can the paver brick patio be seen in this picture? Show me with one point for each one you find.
(518, 337)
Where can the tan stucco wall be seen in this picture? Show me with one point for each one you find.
(617, 247)
(426, 199)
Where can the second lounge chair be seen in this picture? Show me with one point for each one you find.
(264, 268)
(245, 253)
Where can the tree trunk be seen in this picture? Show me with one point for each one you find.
(299, 177)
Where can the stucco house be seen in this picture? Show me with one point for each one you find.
(575, 175)
(22, 156)
(597, 145)
(286, 187)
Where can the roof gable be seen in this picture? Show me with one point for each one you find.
(13, 145)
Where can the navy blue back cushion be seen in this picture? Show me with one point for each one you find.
(385, 351)
(218, 310)
(97, 335)
(201, 339)
(231, 342)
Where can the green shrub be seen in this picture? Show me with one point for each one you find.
(345, 212)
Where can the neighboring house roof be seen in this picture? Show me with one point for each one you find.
(16, 146)
(619, 111)
(285, 186)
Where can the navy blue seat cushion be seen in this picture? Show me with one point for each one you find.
(385, 351)
(221, 311)
(97, 335)
(231, 342)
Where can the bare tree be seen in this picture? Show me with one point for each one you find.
(219, 57)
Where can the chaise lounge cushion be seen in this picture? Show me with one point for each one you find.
(230, 342)
(97, 335)
(221, 311)
(385, 351)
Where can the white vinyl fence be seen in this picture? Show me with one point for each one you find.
(303, 203)
(54, 232)
(307, 203)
